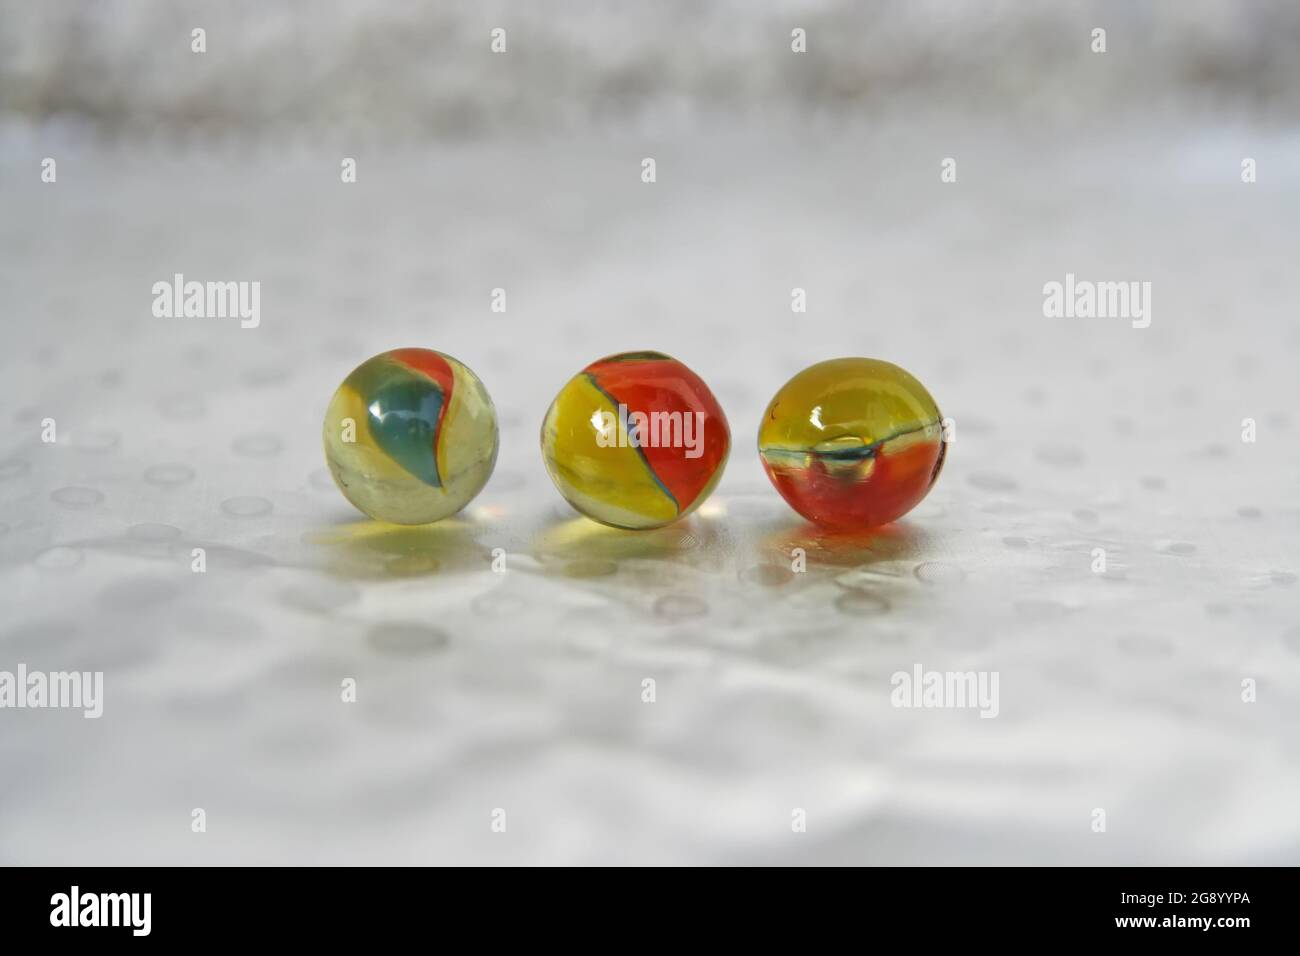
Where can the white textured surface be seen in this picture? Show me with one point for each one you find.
(521, 690)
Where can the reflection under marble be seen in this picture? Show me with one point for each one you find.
(376, 549)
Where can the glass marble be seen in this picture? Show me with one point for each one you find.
(852, 443)
(635, 440)
(411, 436)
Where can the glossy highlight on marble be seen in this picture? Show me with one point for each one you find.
(852, 443)
(411, 436)
(635, 440)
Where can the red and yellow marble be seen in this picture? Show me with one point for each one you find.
(619, 481)
(852, 443)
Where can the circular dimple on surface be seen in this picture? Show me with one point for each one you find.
(1062, 456)
(406, 638)
(589, 568)
(412, 565)
(1178, 547)
(1283, 579)
(168, 474)
(1291, 638)
(939, 573)
(75, 496)
(246, 506)
(258, 445)
(59, 558)
(679, 607)
(1086, 516)
(1015, 541)
(861, 604)
(95, 440)
(1153, 483)
(320, 596)
(13, 468)
(153, 531)
(991, 481)
(767, 575)
(1246, 511)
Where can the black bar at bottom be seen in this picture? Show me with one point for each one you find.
(333, 906)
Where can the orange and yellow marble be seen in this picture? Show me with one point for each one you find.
(852, 443)
(411, 436)
(635, 440)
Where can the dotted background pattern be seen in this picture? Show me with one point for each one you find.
(521, 689)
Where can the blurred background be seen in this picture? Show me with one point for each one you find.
(419, 71)
(522, 691)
